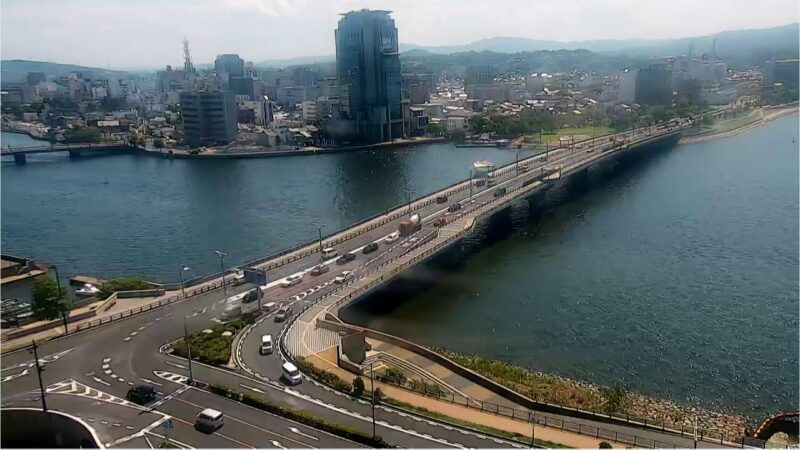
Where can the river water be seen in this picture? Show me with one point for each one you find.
(676, 274)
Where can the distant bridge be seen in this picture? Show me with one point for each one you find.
(75, 150)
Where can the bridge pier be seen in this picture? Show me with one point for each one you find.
(74, 154)
(19, 158)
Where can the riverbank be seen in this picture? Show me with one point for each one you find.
(31, 130)
(722, 129)
(616, 400)
(253, 152)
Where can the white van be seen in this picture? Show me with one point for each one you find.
(209, 420)
(328, 253)
(290, 374)
(266, 344)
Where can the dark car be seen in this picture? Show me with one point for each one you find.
(369, 248)
(319, 269)
(141, 394)
(454, 207)
(440, 222)
(500, 192)
(441, 199)
(346, 258)
(480, 183)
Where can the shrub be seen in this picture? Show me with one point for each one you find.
(378, 394)
(358, 386)
(393, 376)
(122, 284)
(211, 348)
(426, 388)
(616, 399)
(605, 444)
(329, 378)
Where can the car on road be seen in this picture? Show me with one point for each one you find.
(441, 199)
(454, 207)
(290, 374)
(440, 222)
(209, 420)
(480, 183)
(346, 258)
(283, 314)
(344, 277)
(269, 306)
(491, 182)
(329, 253)
(266, 345)
(141, 395)
(369, 248)
(391, 238)
(500, 192)
(319, 269)
(410, 242)
(291, 280)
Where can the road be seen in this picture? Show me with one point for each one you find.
(106, 361)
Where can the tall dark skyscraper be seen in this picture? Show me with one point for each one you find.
(368, 69)
(209, 117)
(229, 65)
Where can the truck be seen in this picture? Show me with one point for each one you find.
(410, 225)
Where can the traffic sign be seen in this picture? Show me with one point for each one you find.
(255, 276)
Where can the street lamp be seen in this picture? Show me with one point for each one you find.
(372, 387)
(222, 255)
(39, 375)
(188, 349)
(409, 191)
(183, 269)
(64, 313)
(319, 230)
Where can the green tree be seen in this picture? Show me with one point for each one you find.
(457, 135)
(358, 386)
(435, 129)
(46, 303)
(605, 444)
(81, 135)
(158, 143)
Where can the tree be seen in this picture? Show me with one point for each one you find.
(435, 129)
(46, 303)
(457, 135)
(158, 143)
(81, 135)
(358, 387)
(605, 444)
(378, 394)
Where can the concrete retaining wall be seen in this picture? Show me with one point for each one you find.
(33, 428)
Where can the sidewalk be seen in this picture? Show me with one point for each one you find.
(327, 360)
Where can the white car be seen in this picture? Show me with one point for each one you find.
(392, 238)
(410, 242)
(291, 280)
(344, 277)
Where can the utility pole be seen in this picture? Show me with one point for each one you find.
(188, 349)
(533, 429)
(64, 314)
(222, 267)
(319, 230)
(183, 269)
(470, 183)
(372, 387)
(39, 374)
(409, 191)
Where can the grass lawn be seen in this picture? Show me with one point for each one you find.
(211, 348)
(585, 132)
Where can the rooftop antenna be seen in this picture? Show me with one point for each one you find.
(188, 68)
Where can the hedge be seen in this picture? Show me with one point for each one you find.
(303, 417)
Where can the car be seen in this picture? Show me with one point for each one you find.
(319, 269)
(209, 420)
(346, 258)
(440, 222)
(454, 207)
(141, 395)
(290, 374)
(369, 248)
(391, 238)
(269, 306)
(500, 192)
(282, 314)
(480, 183)
(266, 345)
(291, 280)
(441, 199)
(238, 278)
(410, 242)
(491, 182)
(344, 277)
(329, 253)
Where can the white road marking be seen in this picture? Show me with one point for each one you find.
(277, 444)
(251, 388)
(295, 430)
(151, 382)
(100, 380)
(180, 366)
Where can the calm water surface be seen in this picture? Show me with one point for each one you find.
(676, 274)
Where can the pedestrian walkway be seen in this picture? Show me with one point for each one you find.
(327, 360)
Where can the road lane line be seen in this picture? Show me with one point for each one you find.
(100, 380)
(146, 380)
(217, 433)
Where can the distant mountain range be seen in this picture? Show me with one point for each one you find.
(782, 41)
(741, 48)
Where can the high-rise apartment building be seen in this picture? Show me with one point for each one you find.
(368, 71)
(209, 117)
(230, 65)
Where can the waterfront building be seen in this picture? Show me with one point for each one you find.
(209, 117)
(783, 71)
(627, 86)
(368, 71)
(654, 85)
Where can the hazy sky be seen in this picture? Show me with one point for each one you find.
(148, 33)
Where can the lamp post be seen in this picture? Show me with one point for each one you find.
(408, 193)
(39, 374)
(372, 387)
(533, 429)
(470, 183)
(183, 269)
(188, 349)
(222, 255)
(64, 313)
(319, 231)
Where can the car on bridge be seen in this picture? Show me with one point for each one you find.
(500, 192)
(346, 258)
(392, 238)
(454, 207)
(329, 253)
(441, 199)
(291, 280)
(369, 248)
(319, 269)
(344, 277)
(440, 222)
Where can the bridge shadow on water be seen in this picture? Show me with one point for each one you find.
(564, 201)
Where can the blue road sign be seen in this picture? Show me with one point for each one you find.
(255, 276)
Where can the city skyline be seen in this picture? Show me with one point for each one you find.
(151, 33)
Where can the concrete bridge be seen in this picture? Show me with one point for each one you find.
(74, 150)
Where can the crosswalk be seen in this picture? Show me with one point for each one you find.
(305, 339)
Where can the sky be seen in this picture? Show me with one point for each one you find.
(130, 34)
